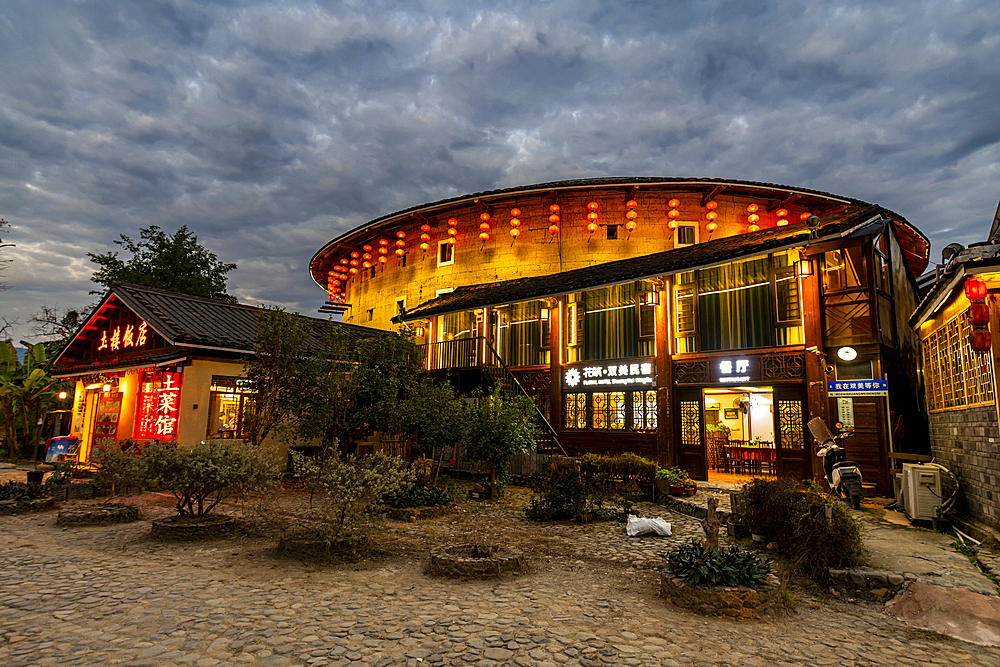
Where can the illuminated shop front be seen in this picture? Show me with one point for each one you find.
(653, 315)
(155, 365)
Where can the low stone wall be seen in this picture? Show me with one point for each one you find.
(733, 602)
(81, 491)
(463, 562)
(186, 529)
(14, 507)
(99, 515)
(867, 583)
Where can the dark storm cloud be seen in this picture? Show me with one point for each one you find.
(270, 127)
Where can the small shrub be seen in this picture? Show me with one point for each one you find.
(208, 473)
(568, 487)
(418, 495)
(721, 567)
(118, 466)
(20, 492)
(63, 473)
(794, 518)
(561, 491)
(344, 487)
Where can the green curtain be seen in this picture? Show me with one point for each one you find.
(734, 306)
(611, 325)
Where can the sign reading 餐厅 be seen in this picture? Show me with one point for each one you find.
(616, 374)
(735, 369)
(858, 388)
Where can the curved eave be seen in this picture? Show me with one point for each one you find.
(916, 246)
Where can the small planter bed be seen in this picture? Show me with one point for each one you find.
(78, 491)
(100, 515)
(476, 561)
(731, 601)
(21, 507)
(188, 528)
(313, 548)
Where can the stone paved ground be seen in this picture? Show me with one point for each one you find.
(109, 596)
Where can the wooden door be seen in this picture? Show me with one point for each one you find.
(792, 440)
(691, 432)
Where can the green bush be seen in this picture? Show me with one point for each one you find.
(63, 473)
(568, 487)
(21, 492)
(418, 495)
(721, 567)
(561, 489)
(208, 473)
(794, 518)
(118, 466)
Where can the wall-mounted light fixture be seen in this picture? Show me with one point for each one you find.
(651, 298)
(847, 353)
(62, 395)
(544, 315)
(804, 267)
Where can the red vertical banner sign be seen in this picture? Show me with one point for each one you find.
(159, 405)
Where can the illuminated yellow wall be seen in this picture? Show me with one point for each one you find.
(535, 252)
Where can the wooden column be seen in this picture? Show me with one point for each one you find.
(812, 329)
(666, 449)
(556, 315)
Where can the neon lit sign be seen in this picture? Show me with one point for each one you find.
(159, 405)
(132, 336)
(734, 371)
(612, 375)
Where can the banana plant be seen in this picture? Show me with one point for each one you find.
(25, 390)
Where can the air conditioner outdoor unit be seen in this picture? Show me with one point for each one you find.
(921, 491)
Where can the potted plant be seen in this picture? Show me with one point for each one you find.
(690, 487)
(666, 479)
(680, 479)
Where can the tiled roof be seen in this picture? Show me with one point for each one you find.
(977, 258)
(192, 321)
(118, 364)
(701, 255)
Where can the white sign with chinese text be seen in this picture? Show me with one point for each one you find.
(610, 375)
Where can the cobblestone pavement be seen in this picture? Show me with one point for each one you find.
(108, 596)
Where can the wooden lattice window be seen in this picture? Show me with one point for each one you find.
(956, 376)
(790, 424)
(644, 410)
(609, 410)
(574, 411)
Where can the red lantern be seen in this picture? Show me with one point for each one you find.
(514, 222)
(367, 255)
(712, 227)
(553, 229)
(400, 243)
(425, 247)
(383, 251)
(367, 248)
(592, 227)
(554, 208)
(515, 213)
(712, 205)
(753, 228)
(514, 232)
(752, 218)
(592, 206)
(354, 262)
(355, 255)
(805, 215)
(452, 231)
(484, 226)
(979, 314)
(979, 340)
(353, 270)
(630, 225)
(484, 236)
(383, 241)
(782, 213)
(631, 203)
(451, 241)
(975, 288)
(400, 252)
(425, 237)
(366, 265)
(554, 218)
(672, 224)
(711, 215)
(400, 235)
(673, 214)
(452, 222)
(382, 260)
(345, 262)
(592, 216)
(782, 222)
(331, 273)
(425, 228)
(674, 203)
(752, 208)
(484, 216)
(631, 215)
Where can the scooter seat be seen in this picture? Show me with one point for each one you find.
(844, 464)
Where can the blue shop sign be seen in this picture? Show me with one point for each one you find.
(858, 388)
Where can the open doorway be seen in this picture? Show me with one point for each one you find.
(739, 433)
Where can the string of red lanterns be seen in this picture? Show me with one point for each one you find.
(515, 222)
(554, 219)
(592, 225)
(631, 214)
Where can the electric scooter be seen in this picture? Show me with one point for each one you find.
(843, 476)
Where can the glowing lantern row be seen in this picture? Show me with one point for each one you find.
(425, 237)
(631, 214)
(484, 226)
(515, 222)
(979, 315)
(782, 214)
(554, 219)
(673, 213)
(592, 225)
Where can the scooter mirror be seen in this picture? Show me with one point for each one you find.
(838, 426)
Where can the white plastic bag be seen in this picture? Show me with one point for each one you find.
(640, 526)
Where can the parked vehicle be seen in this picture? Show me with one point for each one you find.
(843, 476)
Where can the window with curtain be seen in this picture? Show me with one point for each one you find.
(610, 323)
(748, 304)
(521, 333)
(456, 347)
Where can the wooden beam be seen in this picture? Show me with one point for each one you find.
(633, 192)
(712, 194)
(774, 206)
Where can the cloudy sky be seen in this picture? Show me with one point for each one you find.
(270, 127)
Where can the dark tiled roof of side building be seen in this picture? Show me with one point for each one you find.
(688, 258)
(196, 321)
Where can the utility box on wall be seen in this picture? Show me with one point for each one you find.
(921, 491)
